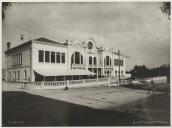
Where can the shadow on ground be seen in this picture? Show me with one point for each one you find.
(23, 109)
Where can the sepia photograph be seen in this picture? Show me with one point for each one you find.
(85, 64)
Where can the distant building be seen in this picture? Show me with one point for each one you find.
(42, 59)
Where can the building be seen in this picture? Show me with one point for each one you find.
(42, 59)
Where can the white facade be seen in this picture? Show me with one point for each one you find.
(44, 54)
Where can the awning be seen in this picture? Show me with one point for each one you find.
(66, 72)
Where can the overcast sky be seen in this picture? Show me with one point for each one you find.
(139, 30)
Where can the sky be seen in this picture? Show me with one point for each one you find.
(138, 29)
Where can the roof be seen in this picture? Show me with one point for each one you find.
(19, 46)
(60, 72)
(41, 39)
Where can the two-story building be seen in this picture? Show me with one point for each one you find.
(42, 59)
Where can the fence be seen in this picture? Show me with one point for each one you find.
(68, 83)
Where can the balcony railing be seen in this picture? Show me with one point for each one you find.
(94, 66)
(78, 66)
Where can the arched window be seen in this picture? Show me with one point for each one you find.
(110, 61)
(107, 60)
(90, 60)
(77, 58)
(18, 75)
(25, 74)
(95, 61)
(14, 74)
(9, 76)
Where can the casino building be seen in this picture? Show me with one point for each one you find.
(43, 59)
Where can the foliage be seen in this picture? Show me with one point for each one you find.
(143, 71)
(166, 8)
(5, 5)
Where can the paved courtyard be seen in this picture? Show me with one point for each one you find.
(116, 99)
(108, 98)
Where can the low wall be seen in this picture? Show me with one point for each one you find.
(69, 84)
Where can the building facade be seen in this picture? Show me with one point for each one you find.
(42, 59)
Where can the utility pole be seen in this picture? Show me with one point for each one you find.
(119, 63)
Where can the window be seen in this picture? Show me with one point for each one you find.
(90, 45)
(107, 60)
(17, 59)
(52, 57)
(110, 61)
(95, 61)
(118, 62)
(47, 56)
(63, 57)
(21, 59)
(115, 71)
(122, 71)
(25, 74)
(18, 75)
(41, 56)
(77, 58)
(14, 74)
(57, 57)
(90, 60)
(9, 76)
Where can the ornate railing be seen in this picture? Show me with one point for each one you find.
(75, 82)
(78, 66)
(69, 83)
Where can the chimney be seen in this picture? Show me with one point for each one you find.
(8, 45)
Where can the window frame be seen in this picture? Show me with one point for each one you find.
(58, 57)
(47, 57)
(53, 57)
(63, 57)
(43, 56)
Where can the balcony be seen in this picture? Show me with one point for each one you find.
(95, 66)
(78, 66)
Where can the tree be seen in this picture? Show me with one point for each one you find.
(5, 5)
(144, 72)
(166, 8)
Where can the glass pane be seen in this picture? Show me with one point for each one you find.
(47, 56)
(77, 58)
(63, 57)
(57, 57)
(41, 56)
(53, 57)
